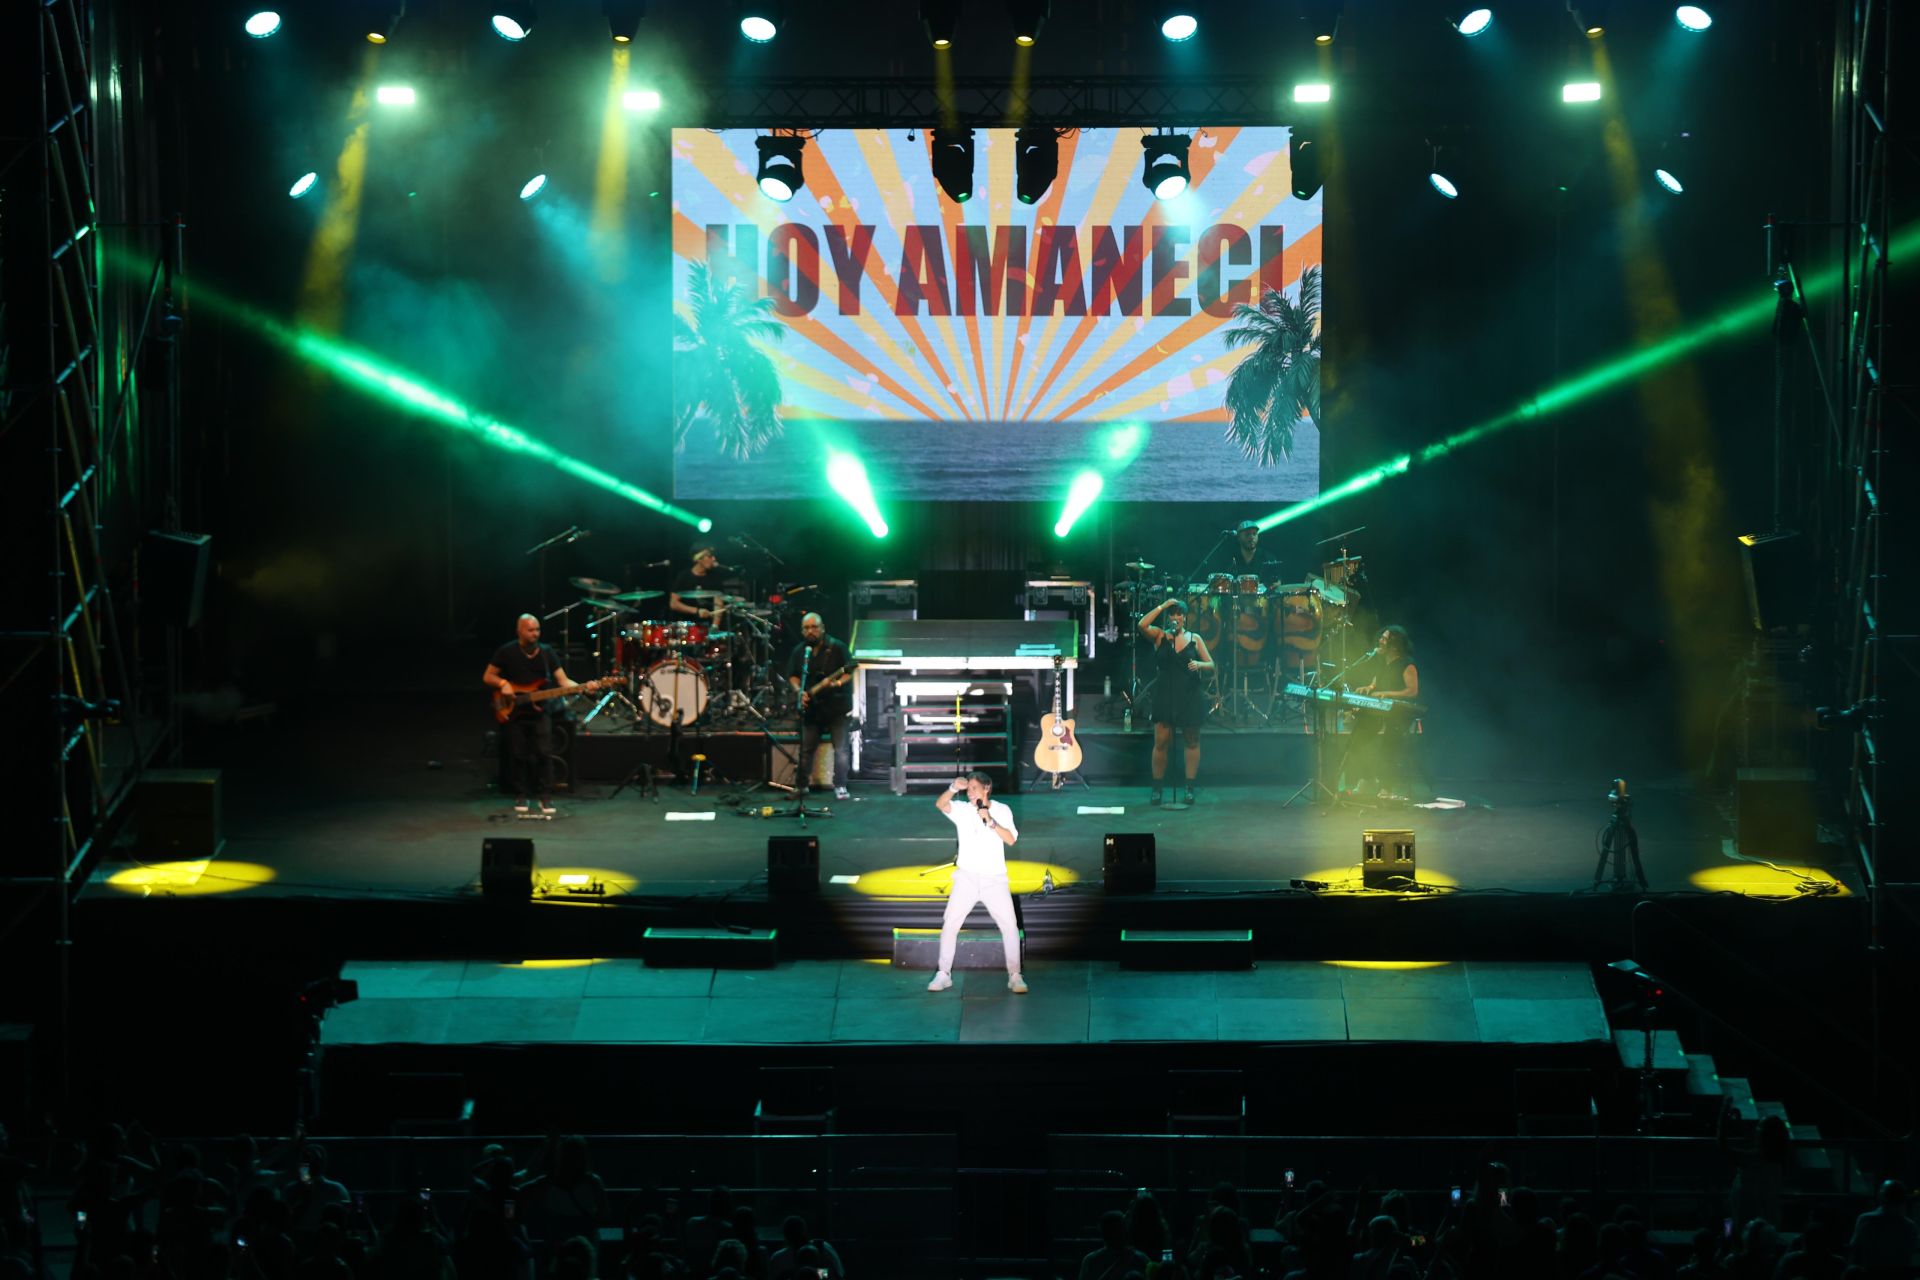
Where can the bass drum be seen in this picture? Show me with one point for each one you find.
(673, 692)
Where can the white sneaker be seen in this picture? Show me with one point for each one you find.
(520, 805)
(546, 805)
(840, 793)
(941, 981)
(1016, 984)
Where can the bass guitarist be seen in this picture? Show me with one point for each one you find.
(521, 665)
(821, 670)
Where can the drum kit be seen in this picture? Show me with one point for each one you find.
(1294, 624)
(669, 674)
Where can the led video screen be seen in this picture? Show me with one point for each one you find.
(992, 348)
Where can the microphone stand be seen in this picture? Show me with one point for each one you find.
(1317, 783)
(569, 534)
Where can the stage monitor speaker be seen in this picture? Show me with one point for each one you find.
(793, 865)
(173, 576)
(1126, 862)
(506, 869)
(1386, 859)
(1774, 814)
(177, 815)
(1777, 568)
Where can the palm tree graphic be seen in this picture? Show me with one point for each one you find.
(721, 373)
(1270, 390)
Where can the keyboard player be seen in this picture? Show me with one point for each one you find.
(1378, 745)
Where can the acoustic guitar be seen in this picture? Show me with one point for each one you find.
(525, 694)
(1058, 751)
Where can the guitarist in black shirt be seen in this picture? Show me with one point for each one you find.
(521, 665)
(825, 699)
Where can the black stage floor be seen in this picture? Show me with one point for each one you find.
(364, 804)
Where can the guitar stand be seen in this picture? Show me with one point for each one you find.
(1059, 779)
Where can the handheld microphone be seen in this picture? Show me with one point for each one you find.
(986, 816)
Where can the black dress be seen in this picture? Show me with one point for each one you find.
(1179, 695)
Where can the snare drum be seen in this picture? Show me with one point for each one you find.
(654, 635)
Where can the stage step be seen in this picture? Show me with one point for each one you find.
(1667, 1053)
(1188, 949)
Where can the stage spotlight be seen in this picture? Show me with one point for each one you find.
(531, 189)
(623, 18)
(1675, 154)
(1590, 16)
(1470, 21)
(1303, 160)
(262, 24)
(759, 21)
(1028, 17)
(1692, 17)
(1179, 24)
(953, 162)
(1443, 184)
(704, 525)
(1081, 495)
(1324, 17)
(941, 18)
(780, 175)
(394, 95)
(641, 99)
(304, 184)
(1313, 92)
(513, 21)
(1164, 169)
(1036, 163)
(385, 19)
(1580, 91)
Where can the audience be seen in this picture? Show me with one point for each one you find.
(155, 1212)
(1115, 1258)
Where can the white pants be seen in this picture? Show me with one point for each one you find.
(968, 889)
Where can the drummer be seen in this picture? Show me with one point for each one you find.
(701, 582)
(1243, 557)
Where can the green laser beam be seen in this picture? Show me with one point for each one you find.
(368, 373)
(1592, 382)
(1082, 494)
(849, 479)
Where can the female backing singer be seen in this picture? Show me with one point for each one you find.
(1181, 663)
(1375, 751)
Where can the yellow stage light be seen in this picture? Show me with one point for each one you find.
(190, 879)
(1388, 964)
(1767, 880)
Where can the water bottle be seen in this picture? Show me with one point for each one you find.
(1106, 686)
(1126, 721)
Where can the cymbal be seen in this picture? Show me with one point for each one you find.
(637, 596)
(610, 603)
(1140, 566)
(699, 595)
(596, 586)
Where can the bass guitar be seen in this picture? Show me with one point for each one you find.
(1058, 751)
(528, 694)
(843, 676)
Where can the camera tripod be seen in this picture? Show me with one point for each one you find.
(1620, 841)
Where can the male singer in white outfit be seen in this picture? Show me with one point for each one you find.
(985, 827)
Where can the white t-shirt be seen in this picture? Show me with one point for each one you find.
(981, 851)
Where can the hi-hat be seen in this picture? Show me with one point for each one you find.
(596, 586)
(699, 595)
(1140, 566)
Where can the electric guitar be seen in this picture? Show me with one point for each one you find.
(1058, 751)
(843, 676)
(525, 694)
